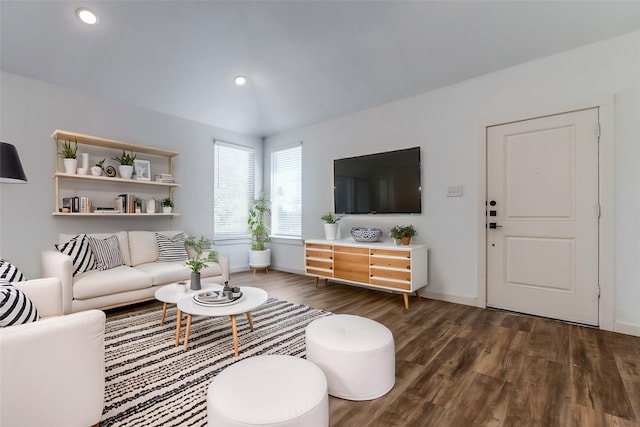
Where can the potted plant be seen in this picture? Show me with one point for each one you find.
(330, 225)
(68, 152)
(199, 259)
(98, 168)
(259, 255)
(167, 205)
(126, 164)
(402, 234)
(138, 205)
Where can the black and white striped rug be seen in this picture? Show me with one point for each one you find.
(151, 382)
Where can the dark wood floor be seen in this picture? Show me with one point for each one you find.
(464, 366)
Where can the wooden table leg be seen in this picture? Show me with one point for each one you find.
(317, 281)
(406, 300)
(178, 326)
(187, 330)
(248, 314)
(234, 330)
(164, 312)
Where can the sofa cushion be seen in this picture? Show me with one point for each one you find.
(15, 307)
(96, 283)
(171, 248)
(166, 272)
(142, 247)
(79, 250)
(10, 272)
(106, 252)
(123, 241)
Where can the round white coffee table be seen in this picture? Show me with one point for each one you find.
(170, 294)
(251, 299)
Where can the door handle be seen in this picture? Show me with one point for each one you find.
(494, 225)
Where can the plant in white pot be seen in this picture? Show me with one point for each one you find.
(68, 150)
(98, 168)
(126, 164)
(167, 205)
(330, 225)
(402, 234)
(202, 254)
(259, 255)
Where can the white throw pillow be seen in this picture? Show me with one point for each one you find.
(107, 252)
(15, 307)
(79, 250)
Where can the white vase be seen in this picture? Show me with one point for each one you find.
(151, 205)
(167, 209)
(85, 161)
(96, 170)
(126, 171)
(330, 231)
(70, 165)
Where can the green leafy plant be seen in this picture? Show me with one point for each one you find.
(167, 202)
(257, 223)
(200, 246)
(100, 164)
(400, 231)
(139, 202)
(329, 218)
(68, 149)
(125, 158)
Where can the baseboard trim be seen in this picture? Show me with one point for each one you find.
(449, 298)
(627, 328)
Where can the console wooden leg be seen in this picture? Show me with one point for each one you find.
(187, 330)
(406, 300)
(178, 326)
(234, 330)
(317, 281)
(418, 294)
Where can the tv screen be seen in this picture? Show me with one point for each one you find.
(386, 182)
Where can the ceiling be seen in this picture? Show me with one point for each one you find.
(306, 61)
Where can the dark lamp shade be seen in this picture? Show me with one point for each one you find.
(10, 167)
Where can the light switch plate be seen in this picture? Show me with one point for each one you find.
(454, 191)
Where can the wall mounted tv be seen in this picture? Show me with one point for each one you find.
(387, 182)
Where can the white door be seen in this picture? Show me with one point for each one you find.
(542, 199)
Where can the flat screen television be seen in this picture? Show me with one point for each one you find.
(387, 182)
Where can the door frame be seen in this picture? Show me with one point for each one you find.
(606, 189)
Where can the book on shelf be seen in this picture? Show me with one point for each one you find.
(125, 203)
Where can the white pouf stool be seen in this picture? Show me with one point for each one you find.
(356, 354)
(271, 390)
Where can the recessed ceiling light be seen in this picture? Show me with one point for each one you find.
(86, 16)
(240, 80)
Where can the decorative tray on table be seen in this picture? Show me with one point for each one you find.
(217, 298)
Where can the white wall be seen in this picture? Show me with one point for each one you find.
(31, 110)
(446, 124)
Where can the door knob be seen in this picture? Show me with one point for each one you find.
(494, 225)
(493, 203)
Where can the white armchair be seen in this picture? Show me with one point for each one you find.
(52, 370)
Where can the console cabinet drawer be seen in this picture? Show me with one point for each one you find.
(351, 250)
(311, 253)
(351, 267)
(403, 263)
(391, 274)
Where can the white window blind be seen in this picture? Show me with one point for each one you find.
(233, 189)
(286, 192)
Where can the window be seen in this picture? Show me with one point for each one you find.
(233, 189)
(286, 192)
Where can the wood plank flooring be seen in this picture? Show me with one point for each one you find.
(464, 366)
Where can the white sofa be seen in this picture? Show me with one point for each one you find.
(52, 369)
(135, 281)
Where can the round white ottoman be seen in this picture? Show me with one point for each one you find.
(356, 354)
(270, 390)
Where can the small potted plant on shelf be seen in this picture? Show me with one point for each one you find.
(199, 260)
(259, 255)
(68, 152)
(167, 205)
(402, 234)
(126, 164)
(98, 168)
(138, 205)
(330, 225)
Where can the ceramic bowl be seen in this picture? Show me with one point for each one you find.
(366, 234)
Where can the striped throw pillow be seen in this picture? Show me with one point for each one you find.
(80, 252)
(171, 248)
(10, 272)
(15, 307)
(107, 252)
